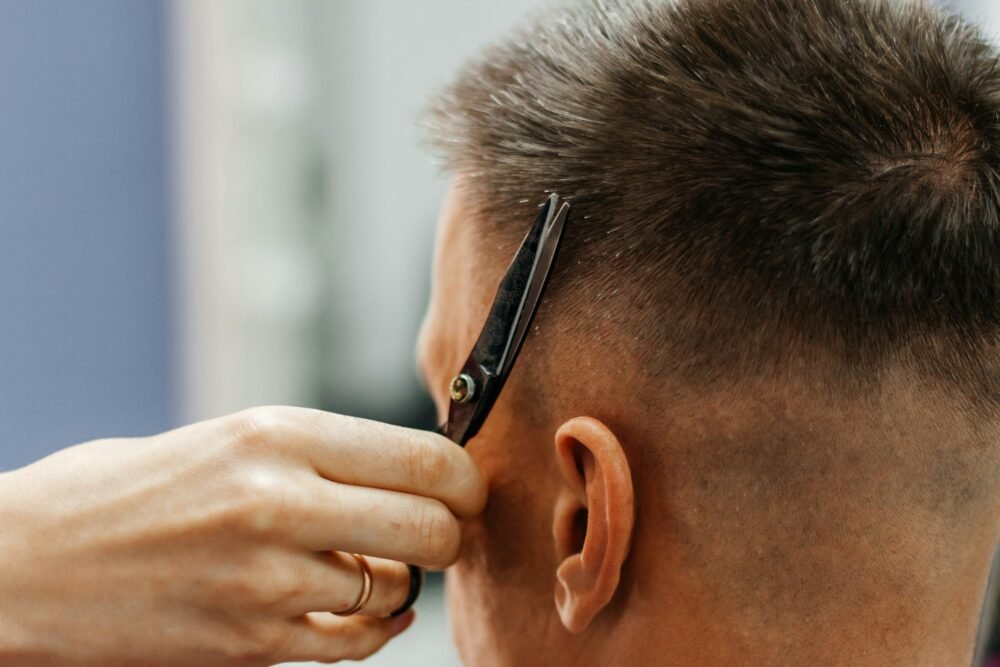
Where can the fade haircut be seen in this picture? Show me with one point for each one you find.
(753, 181)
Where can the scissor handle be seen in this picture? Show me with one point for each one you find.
(416, 585)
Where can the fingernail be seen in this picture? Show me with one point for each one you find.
(400, 623)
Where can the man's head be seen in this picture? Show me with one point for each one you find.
(762, 395)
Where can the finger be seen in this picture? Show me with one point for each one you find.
(390, 586)
(366, 453)
(333, 582)
(328, 638)
(328, 516)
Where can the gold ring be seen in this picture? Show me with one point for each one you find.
(366, 588)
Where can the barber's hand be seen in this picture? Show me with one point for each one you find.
(212, 544)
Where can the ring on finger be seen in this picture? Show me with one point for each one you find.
(366, 588)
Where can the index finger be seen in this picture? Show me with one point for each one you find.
(368, 453)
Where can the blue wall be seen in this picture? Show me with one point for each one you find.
(84, 349)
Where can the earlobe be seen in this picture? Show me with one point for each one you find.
(593, 522)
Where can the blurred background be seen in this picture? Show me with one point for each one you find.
(212, 204)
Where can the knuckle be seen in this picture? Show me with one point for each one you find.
(278, 586)
(286, 587)
(438, 535)
(241, 590)
(257, 428)
(256, 502)
(262, 584)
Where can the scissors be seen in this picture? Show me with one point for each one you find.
(477, 386)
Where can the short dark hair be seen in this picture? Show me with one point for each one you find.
(752, 179)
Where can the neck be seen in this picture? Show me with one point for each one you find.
(684, 620)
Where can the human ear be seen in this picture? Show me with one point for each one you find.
(593, 522)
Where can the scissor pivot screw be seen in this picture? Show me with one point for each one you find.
(463, 388)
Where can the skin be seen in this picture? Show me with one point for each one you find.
(223, 543)
(599, 548)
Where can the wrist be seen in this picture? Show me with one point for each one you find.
(14, 644)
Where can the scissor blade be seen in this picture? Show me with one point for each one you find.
(506, 326)
(494, 343)
(543, 266)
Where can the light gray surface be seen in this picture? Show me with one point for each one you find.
(385, 59)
